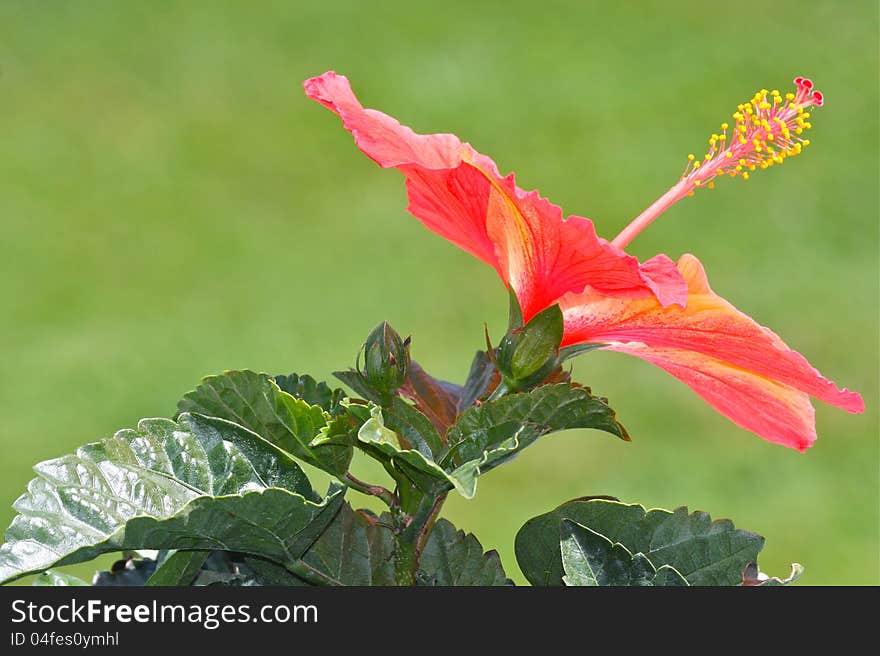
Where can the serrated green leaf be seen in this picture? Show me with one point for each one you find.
(359, 384)
(196, 483)
(425, 474)
(591, 559)
(178, 568)
(352, 551)
(485, 436)
(670, 577)
(414, 427)
(54, 578)
(452, 557)
(255, 401)
(703, 551)
(358, 549)
(312, 392)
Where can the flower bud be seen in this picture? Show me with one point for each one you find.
(528, 353)
(386, 358)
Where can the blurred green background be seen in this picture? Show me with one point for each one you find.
(171, 206)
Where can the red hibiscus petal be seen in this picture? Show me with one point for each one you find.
(459, 194)
(721, 353)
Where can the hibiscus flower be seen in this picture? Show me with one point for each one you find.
(659, 310)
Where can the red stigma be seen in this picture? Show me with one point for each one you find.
(818, 98)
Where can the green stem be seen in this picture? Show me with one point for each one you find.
(382, 493)
(412, 536)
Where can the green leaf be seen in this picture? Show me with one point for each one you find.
(496, 431)
(178, 568)
(414, 427)
(197, 483)
(358, 382)
(670, 577)
(429, 477)
(591, 559)
(354, 550)
(703, 551)
(256, 402)
(313, 392)
(358, 549)
(451, 557)
(54, 578)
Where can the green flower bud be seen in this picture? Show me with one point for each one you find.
(531, 352)
(386, 358)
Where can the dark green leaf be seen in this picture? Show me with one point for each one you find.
(356, 381)
(589, 558)
(670, 577)
(354, 550)
(496, 431)
(256, 402)
(414, 427)
(178, 568)
(383, 443)
(198, 483)
(312, 392)
(703, 551)
(451, 557)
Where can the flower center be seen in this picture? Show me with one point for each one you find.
(767, 130)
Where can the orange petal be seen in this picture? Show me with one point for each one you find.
(742, 369)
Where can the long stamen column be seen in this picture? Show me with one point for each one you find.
(766, 131)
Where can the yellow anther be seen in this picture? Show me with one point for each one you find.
(691, 157)
(739, 168)
(789, 96)
(745, 176)
(696, 183)
(728, 155)
(724, 126)
(697, 164)
(711, 185)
